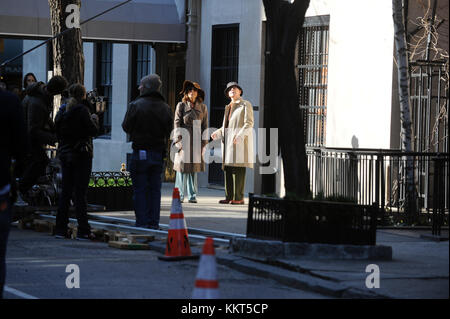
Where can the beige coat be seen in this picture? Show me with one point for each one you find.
(189, 159)
(237, 124)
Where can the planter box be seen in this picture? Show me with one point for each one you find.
(112, 190)
(311, 221)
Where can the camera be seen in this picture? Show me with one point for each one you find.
(97, 102)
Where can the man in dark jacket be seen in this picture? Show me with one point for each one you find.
(38, 106)
(149, 122)
(12, 145)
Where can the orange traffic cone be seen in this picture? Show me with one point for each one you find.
(206, 284)
(177, 247)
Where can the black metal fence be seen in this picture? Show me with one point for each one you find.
(378, 176)
(111, 189)
(311, 221)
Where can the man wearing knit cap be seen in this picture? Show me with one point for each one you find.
(38, 106)
(149, 122)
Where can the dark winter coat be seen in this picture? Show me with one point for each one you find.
(149, 121)
(12, 135)
(75, 129)
(37, 106)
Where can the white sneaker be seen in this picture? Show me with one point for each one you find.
(20, 201)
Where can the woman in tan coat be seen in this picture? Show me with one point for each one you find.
(191, 120)
(236, 134)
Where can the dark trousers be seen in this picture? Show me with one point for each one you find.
(145, 170)
(76, 172)
(34, 168)
(234, 182)
(5, 221)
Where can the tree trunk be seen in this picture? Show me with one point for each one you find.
(68, 57)
(405, 115)
(284, 21)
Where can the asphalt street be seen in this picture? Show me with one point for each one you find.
(36, 267)
(37, 264)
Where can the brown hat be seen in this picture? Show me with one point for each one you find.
(230, 85)
(189, 85)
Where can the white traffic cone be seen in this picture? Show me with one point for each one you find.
(206, 284)
(177, 246)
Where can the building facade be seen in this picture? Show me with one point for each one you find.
(347, 77)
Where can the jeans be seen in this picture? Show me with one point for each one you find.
(187, 185)
(5, 221)
(76, 172)
(145, 169)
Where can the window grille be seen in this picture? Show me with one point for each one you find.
(142, 65)
(313, 78)
(104, 81)
(224, 69)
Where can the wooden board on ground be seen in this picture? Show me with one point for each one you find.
(140, 238)
(128, 245)
(43, 225)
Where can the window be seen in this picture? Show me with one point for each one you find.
(11, 74)
(143, 57)
(104, 82)
(313, 77)
(224, 69)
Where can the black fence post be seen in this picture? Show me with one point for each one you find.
(438, 203)
(377, 179)
(250, 214)
(438, 198)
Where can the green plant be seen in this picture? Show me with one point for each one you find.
(335, 198)
(294, 196)
(110, 182)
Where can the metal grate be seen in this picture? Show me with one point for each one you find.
(313, 78)
(429, 105)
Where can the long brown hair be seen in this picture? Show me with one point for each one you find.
(189, 85)
(187, 99)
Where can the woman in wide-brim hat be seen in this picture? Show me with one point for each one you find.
(236, 134)
(190, 114)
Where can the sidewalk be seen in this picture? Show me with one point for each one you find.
(419, 267)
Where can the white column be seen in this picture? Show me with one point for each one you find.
(250, 75)
(120, 91)
(88, 51)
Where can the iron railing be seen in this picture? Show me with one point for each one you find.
(110, 179)
(368, 176)
(311, 221)
(111, 189)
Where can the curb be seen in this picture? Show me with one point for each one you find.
(277, 249)
(297, 279)
(291, 278)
